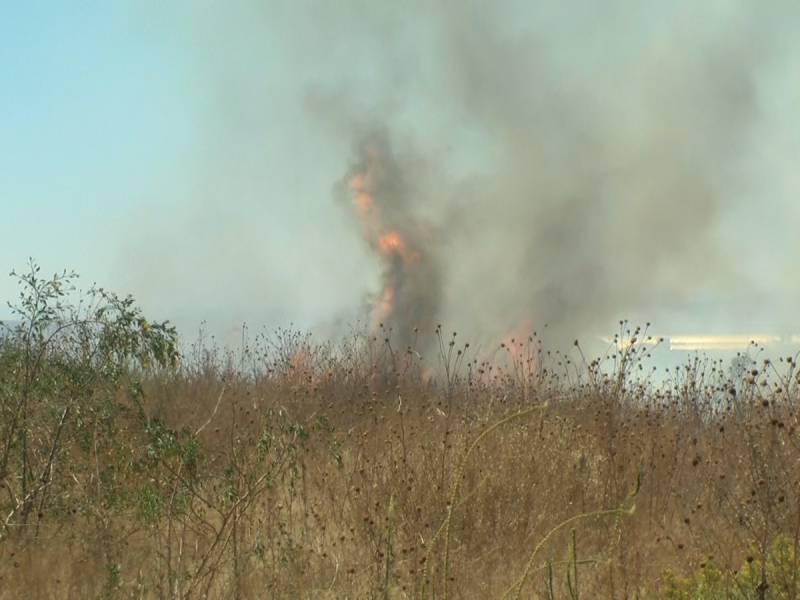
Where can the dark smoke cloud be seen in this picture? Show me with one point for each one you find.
(569, 163)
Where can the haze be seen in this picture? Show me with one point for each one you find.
(572, 164)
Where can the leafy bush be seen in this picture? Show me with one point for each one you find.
(61, 366)
(776, 578)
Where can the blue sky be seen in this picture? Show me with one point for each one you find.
(91, 122)
(188, 152)
(86, 96)
(108, 119)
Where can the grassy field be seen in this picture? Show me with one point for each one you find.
(292, 469)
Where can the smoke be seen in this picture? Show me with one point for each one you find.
(605, 211)
(602, 191)
(567, 165)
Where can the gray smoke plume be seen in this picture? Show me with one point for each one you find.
(599, 196)
(568, 164)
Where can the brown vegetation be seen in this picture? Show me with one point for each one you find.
(294, 470)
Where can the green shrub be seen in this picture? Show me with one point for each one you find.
(777, 579)
(62, 367)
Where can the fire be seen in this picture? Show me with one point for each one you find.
(518, 341)
(519, 353)
(383, 306)
(362, 199)
(392, 242)
(385, 240)
(381, 195)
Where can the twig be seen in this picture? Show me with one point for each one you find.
(211, 418)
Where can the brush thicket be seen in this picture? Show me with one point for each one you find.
(290, 469)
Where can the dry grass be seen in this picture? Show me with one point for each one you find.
(291, 471)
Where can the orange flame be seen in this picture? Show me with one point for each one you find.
(383, 307)
(519, 347)
(391, 241)
(384, 240)
(360, 184)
